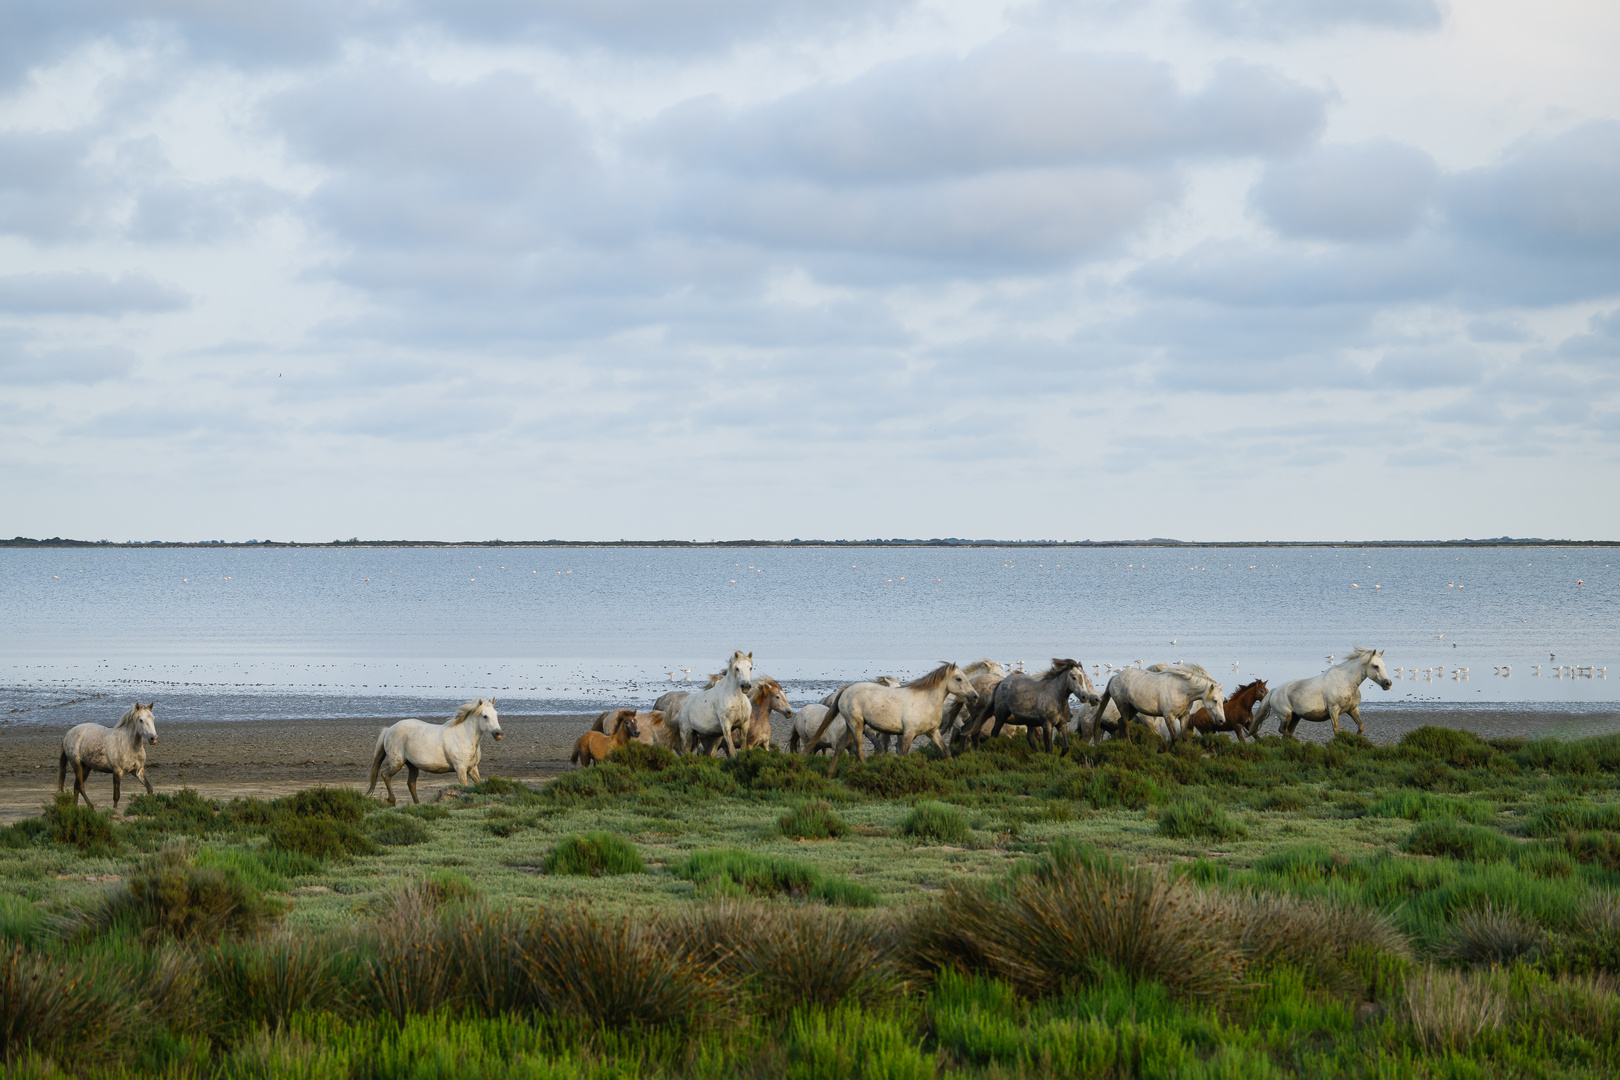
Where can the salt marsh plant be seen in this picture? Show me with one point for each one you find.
(594, 854)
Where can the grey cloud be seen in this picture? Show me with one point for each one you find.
(1600, 342)
(1292, 18)
(21, 365)
(1014, 104)
(1504, 329)
(1548, 197)
(1423, 368)
(1374, 191)
(978, 226)
(172, 210)
(651, 26)
(45, 192)
(87, 293)
(1236, 273)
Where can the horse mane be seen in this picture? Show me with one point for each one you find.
(467, 710)
(129, 718)
(934, 678)
(1059, 667)
(1193, 674)
(763, 685)
(1361, 652)
(715, 678)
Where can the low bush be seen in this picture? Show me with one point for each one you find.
(1447, 1010)
(1462, 749)
(90, 831)
(170, 896)
(935, 821)
(339, 804)
(263, 983)
(1287, 798)
(1427, 806)
(1136, 920)
(594, 854)
(395, 829)
(508, 791)
(1114, 786)
(1457, 841)
(1493, 935)
(848, 1041)
(1199, 819)
(1597, 932)
(601, 785)
(183, 810)
(426, 811)
(734, 873)
(639, 757)
(1599, 848)
(893, 776)
(319, 838)
(812, 821)
(1560, 818)
(50, 1008)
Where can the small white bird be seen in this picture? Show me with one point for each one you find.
(1172, 641)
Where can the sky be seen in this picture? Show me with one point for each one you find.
(626, 269)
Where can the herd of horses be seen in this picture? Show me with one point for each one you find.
(951, 706)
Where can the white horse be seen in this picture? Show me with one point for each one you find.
(806, 722)
(118, 750)
(907, 711)
(717, 709)
(1324, 696)
(1164, 692)
(421, 747)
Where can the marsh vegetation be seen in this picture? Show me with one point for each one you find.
(1444, 907)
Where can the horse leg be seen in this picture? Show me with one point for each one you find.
(1333, 715)
(838, 748)
(144, 780)
(412, 772)
(117, 780)
(472, 771)
(78, 786)
(388, 782)
(1355, 712)
(939, 741)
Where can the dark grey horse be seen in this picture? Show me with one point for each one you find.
(1042, 701)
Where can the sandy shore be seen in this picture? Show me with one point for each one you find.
(270, 758)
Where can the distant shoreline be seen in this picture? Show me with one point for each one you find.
(1156, 542)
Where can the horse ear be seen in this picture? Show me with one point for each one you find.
(750, 654)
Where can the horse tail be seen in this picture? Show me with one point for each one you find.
(1097, 715)
(61, 772)
(1261, 711)
(377, 759)
(814, 741)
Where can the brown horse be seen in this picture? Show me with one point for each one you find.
(766, 697)
(653, 730)
(593, 747)
(1239, 712)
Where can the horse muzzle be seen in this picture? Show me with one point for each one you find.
(154, 740)
(1385, 683)
(746, 686)
(497, 736)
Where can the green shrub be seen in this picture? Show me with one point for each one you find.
(1130, 919)
(426, 811)
(639, 757)
(893, 776)
(1427, 806)
(1559, 818)
(88, 830)
(1457, 841)
(600, 785)
(1463, 749)
(170, 896)
(736, 873)
(1199, 819)
(183, 810)
(266, 981)
(508, 791)
(936, 821)
(849, 1041)
(28, 832)
(1113, 786)
(320, 838)
(339, 804)
(1287, 798)
(395, 829)
(1493, 935)
(595, 854)
(1599, 848)
(47, 1007)
(812, 821)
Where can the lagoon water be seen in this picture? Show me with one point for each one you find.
(259, 633)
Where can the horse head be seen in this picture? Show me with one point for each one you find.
(1374, 666)
(1214, 699)
(743, 664)
(487, 718)
(145, 721)
(779, 702)
(957, 683)
(1079, 682)
(630, 727)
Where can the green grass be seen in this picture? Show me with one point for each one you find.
(1443, 874)
(594, 854)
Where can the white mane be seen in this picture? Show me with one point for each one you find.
(132, 716)
(467, 710)
(1193, 674)
(1361, 652)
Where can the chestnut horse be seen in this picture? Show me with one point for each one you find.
(1239, 712)
(593, 747)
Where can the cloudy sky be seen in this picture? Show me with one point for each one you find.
(465, 269)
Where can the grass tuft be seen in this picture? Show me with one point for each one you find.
(1199, 819)
(1456, 840)
(594, 854)
(1493, 935)
(812, 821)
(395, 829)
(937, 822)
(170, 896)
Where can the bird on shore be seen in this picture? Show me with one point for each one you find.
(1172, 641)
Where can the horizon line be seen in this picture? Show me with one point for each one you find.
(946, 542)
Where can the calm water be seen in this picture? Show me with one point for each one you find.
(237, 633)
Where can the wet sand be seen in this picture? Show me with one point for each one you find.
(270, 758)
